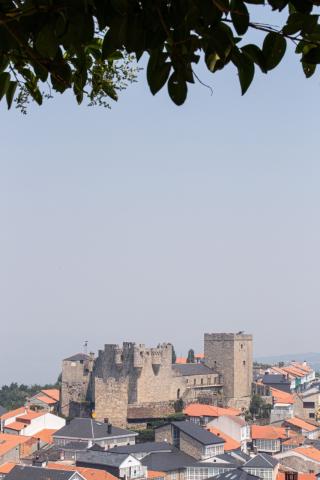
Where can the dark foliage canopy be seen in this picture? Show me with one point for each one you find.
(87, 45)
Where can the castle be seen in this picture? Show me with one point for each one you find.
(132, 384)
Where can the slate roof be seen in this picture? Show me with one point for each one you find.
(230, 459)
(77, 357)
(236, 474)
(262, 460)
(186, 369)
(147, 447)
(198, 433)
(101, 458)
(38, 473)
(84, 427)
(167, 462)
(269, 378)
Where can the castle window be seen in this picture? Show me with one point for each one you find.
(201, 381)
(178, 393)
(194, 381)
(241, 346)
(244, 362)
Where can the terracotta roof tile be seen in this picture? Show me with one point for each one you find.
(298, 422)
(230, 443)
(8, 442)
(310, 452)
(155, 474)
(301, 476)
(53, 393)
(87, 473)
(180, 360)
(45, 435)
(281, 397)
(7, 467)
(17, 426)
(47, 400)
(13, 413)
(267, 432)
(201, 410)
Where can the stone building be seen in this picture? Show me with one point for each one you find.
(132, 383)
(231, 355)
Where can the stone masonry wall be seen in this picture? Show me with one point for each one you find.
(164, 434)
(190, 446)
(111, 400)
(231, 355)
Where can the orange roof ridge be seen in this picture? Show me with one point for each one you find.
(230, 443)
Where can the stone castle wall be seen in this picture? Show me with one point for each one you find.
(76, 387)
(135, 375)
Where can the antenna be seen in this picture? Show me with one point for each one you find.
(85, 347)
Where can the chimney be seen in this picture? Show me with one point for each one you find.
(109, 428)
(106, 420)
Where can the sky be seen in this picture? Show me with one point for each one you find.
(151, 223)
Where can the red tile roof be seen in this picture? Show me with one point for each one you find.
(301, 476)
(267, 432)
(45, 435)
(17, 426)
(9, 442)
(298, 422)
(7, 467)
(155, 474)
(87, 473)
(53, 393)
(201, 410)
(13, 413)
(281, 397)
(310, 452)
(230, 443)
(47, 400)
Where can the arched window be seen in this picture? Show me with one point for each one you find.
(178, 393)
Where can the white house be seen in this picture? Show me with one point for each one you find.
(31, 423)
(234, 426)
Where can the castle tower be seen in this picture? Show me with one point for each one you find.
(76, 385)
(230, 354)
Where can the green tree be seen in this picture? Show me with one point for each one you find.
(190, 357)
(88, 46)
(174, 356)
(259, 408)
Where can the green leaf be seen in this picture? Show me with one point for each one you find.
(256, 55)
(239, 16)
(4, 83)
(157, 71)
(274, 47)
(245, 68)
(10, 93)
(312, 56)
(158, 78)
(309, 69)
(177, 88)
(4, 62)
(46, 43)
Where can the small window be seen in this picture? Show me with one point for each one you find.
(311, 415)
(178, 393)
(194, 381)
(241, 346)
(201, 381)
(244, 362)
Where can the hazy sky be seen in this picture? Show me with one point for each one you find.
(155, 223)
